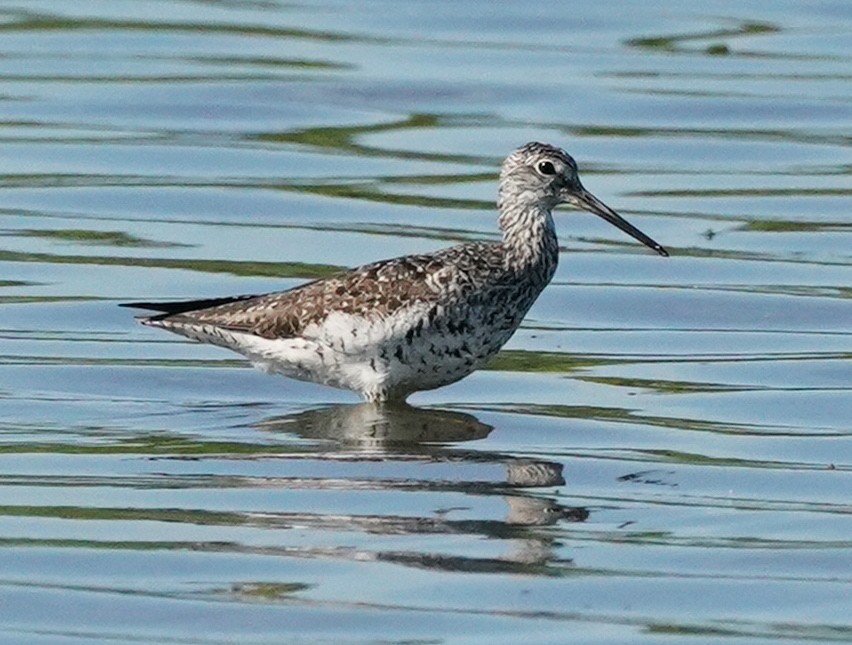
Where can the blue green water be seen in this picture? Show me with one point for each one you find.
(662, 454)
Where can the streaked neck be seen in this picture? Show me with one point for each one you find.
(529, 240)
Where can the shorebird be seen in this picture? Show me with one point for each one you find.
(412, 323)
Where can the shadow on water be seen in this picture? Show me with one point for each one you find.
(426, 443)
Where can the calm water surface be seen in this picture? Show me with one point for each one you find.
(662, 453)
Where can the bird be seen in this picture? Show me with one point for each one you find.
(391, 328)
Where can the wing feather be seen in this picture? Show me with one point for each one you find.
(377, 289)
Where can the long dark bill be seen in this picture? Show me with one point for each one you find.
(587, 201)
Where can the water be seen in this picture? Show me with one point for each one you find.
(661, 454)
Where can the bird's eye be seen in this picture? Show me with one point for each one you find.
(546, 168)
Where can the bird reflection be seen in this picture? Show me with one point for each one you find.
(380, 427)
(422, 450)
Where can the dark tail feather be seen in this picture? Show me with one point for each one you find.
(183, 306)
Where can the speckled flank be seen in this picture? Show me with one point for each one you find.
(412, 323)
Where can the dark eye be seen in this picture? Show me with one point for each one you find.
(546, 168)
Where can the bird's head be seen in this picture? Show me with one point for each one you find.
(544, 176)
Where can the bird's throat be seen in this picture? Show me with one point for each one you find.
(529, 241)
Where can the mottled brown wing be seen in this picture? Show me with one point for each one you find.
(375, 289)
